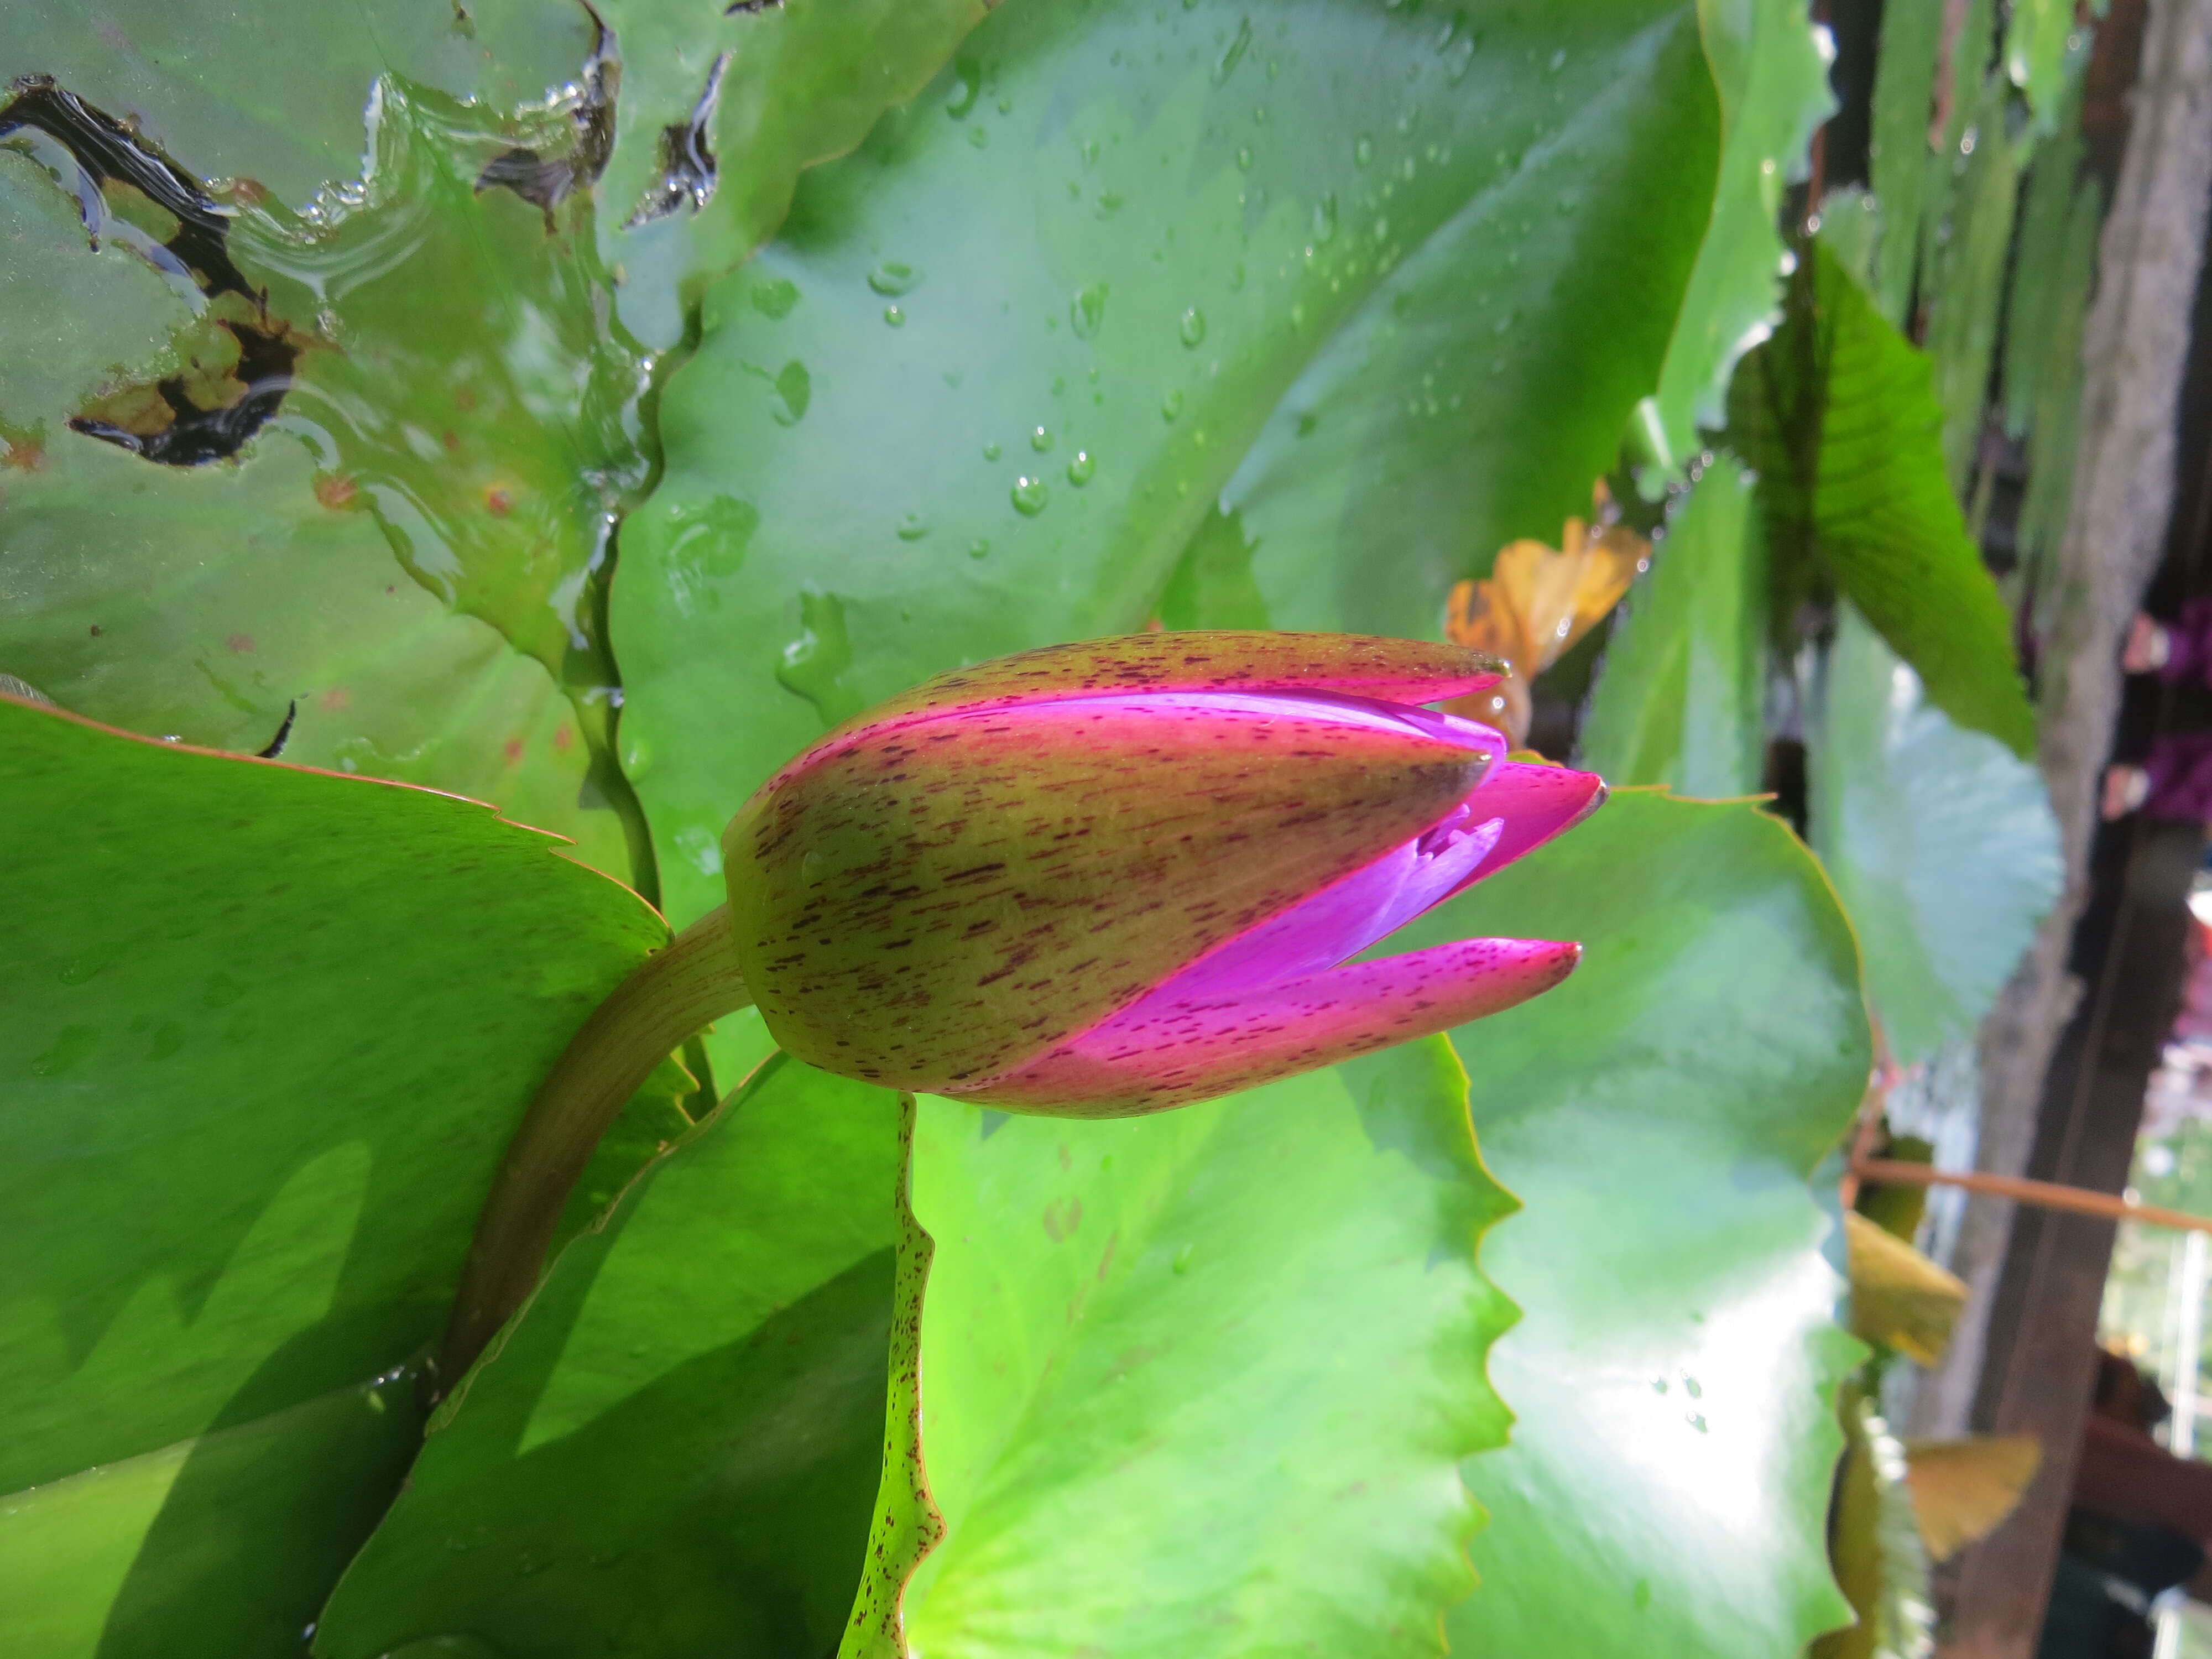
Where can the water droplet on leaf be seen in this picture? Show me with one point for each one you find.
(1081, 466)
(1029, 496)
(968, 82)
(892, 279)
(1087, 310)
(1192, 327)
(814, 665)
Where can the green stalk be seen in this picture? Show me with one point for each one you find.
(675, 993)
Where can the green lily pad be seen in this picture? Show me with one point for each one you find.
(1941, 842)
(253, 92)
(218, 1547)
(1206, 1371)
(484, 443)
(75, 316)
(399, 562)
(1376, 290)
(1673, 1378)
(267, 1033)
(1681, 699)
(1772, 76)
(673, 1448)
(758, 93)
(256, 95)
(110, 605)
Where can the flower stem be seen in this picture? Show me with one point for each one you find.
(673, 994)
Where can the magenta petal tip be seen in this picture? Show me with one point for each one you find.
(1161, 1052)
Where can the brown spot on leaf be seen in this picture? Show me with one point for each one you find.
(23, 447)
(241, 643)
(335, 490)
(1062, 1218)
(498, 502)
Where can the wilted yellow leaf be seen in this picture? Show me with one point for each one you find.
(1961, 1489)
(1898, 1296)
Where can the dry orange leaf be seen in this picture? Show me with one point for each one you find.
(1536, 602)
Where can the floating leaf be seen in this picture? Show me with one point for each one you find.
(727, 105)
(1941, 840)
(1666, 1488)
(1108, 211)
(268, 1031)
(673, 1448)
(797, 84)
(222, 1546)
(1681, 697)
(1209, 1369)
(1771, 69)
(400, 565)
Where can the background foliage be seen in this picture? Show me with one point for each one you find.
(666, 385)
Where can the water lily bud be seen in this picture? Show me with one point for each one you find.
(1113, 877)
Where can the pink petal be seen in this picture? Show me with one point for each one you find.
(1488, 830)
(1339, 923)
(1536, 802)
(1405, 672)
(1163, 1052)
